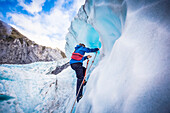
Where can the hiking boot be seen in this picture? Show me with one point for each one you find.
(79, 98)
(84, 82)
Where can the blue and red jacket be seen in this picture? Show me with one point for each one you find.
(81, 51)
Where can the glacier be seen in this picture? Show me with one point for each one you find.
(30, 88)
(131, 74)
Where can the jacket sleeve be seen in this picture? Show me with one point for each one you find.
(84, 58)
(88, 50)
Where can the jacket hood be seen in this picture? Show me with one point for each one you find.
(77, 47)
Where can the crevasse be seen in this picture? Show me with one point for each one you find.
(132, 75)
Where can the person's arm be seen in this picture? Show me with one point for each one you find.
(86, 57)
(88, 50)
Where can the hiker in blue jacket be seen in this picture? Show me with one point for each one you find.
(76, 63)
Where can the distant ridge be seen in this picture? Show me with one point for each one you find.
(15, 48)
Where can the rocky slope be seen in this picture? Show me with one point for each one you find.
(15, 48)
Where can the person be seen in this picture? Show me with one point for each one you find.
(76, 63)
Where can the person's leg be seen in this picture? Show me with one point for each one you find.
(79, 81)
(80, 77)
(80, 72)
(84, 70)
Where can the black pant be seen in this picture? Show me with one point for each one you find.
(80, 72)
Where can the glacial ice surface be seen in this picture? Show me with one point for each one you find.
(130, 73)
(133, 68)
(29, 88)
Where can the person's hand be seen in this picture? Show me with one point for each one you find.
(88, 56)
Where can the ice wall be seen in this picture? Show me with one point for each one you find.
(133, 76)
(97, 21)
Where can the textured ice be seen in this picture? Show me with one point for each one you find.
(29, 89)
(132, 75)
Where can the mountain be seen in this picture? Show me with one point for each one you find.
(15, 48)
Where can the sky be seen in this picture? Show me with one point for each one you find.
(45, 22)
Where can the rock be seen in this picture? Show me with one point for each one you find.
(15, 48)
